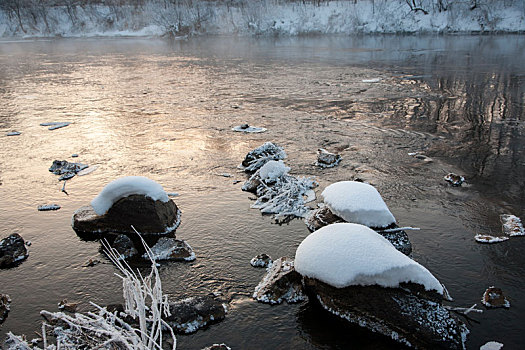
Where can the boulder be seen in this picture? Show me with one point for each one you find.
(4, 307)
(192, 314)
(124, 246)
(252, 183)
(323, 216)
(148, 216)
(409, 314)
(12, 250)
(326, 159)
(281, 283)
(168, 248)
(494, 297)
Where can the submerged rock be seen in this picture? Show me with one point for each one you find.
(493, 298)
(12, 250)
(261, 260)
(511, 225)
(409, 315)
(192, 314)
(281, 283)
(454, 179)
(5, 302)
(261, 155)
(148, 216)
(124, 246)
(326, 159)
(168, 248)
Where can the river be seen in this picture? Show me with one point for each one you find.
(164, 109)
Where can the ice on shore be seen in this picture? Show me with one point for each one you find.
(126, 186)
(273, 170)
(345, 254)
(358, 203)
(489, 239)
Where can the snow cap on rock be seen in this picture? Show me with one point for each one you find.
(358, 203)
(344, 254)
(272, 170)
(127, 186)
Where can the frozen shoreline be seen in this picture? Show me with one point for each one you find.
(266, 17)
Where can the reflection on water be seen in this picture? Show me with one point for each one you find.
(164, 109)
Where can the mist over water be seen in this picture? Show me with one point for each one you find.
(165, 108)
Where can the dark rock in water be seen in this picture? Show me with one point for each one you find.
(409, 314)
(217, 347)
(149, 217)
(493, 298)
(60, 167)
(168, 248)
(324, 216)
(124, 246)
(67, 306)
(261, 260)
(454, 179)
(192, 314)
(244, 126)
(261, 155)
(326, 159)
(321, 217)
(12, 250)
(5, 300)
(280, 283)
(252, 183)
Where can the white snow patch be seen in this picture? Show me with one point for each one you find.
(491, 345)
(373, 80)
(126, 186)
(347, 254)
(358, 203)
(489, 239)
(87, 170)
(273, 170)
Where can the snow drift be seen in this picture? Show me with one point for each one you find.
(343, 255)
(245, 17)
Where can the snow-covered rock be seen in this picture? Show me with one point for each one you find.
(345, 254)
(273, 170)
(66, 169)
(48, 207)
(261, 260)
(12, 250)
(5, 301)
(494, 297)
(489, 239)
(256, 158)
(148, 216)
(359, 203)
(126, 186)
(168, 248)
(454, 179)
(192, 314)
(512, 225)
(221, 346)
(281, 283)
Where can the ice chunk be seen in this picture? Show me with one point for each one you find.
(55, 125)
(14, 133)
(248, 129)
(489, 239)
(344, 254)
(373, 80)
(491, 345)
(126, 186)
(272, 170)
(512, 225)
(48, 207)
(359, 203)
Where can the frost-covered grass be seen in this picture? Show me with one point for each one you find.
(344, 254)
(246, 17)
(144, 301)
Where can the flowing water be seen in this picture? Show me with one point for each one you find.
(165, 108)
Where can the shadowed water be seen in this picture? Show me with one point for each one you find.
(164, 109)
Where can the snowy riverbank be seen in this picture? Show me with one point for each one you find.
(266, 17)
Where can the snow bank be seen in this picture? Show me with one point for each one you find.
(126, 186)
(273, 170)
(270, 17)
(359, 203)
(344, 254)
